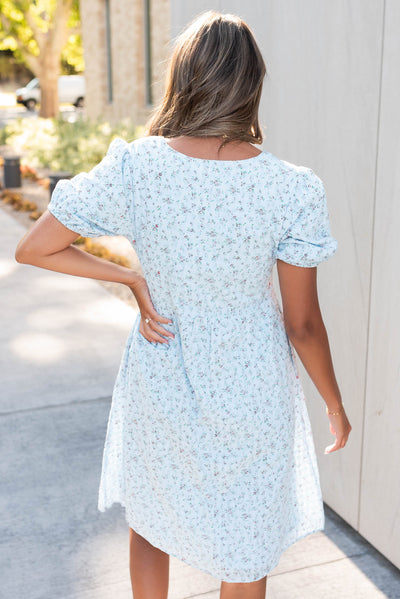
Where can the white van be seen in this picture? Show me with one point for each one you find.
(71, 89)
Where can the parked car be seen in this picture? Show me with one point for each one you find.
(71, 89)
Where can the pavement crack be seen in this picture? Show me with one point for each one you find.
(330, 561)
(54, 406)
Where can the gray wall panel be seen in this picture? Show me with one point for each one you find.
(182, 11)
(380, 490)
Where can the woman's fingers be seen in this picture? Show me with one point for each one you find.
(340, 442)
(340, 427)
(334, 447)
(153, 337)
(149, 333)
(156, 316)
(157, 328)
(152, 330)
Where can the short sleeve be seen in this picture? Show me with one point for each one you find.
(99, 202)
(308, 240)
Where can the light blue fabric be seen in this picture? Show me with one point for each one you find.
(209, 446)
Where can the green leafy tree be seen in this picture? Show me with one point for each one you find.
(40, 31)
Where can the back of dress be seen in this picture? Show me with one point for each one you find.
(208, 232)
(210, 432)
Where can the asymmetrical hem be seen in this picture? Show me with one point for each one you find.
(245, 576)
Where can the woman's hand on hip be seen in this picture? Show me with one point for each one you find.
(151, 330)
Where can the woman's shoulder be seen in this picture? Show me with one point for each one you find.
(147, 141)
(293, 180)
(143, 147)
(288, 169)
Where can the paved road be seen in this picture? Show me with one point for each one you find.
(61, 341)
(10, 111)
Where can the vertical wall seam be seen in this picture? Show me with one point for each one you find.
(148, 54)
(371, 263)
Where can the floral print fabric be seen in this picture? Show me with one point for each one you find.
(209, 446)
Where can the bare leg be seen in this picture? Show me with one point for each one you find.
(149, 568)
(244, 590)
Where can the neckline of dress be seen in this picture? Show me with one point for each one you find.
(262, 152)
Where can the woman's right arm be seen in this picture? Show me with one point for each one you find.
(307, 332)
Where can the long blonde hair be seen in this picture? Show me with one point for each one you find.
(213, 82)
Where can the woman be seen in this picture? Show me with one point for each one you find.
(209, 446)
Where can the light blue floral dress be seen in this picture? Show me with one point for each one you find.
(209, 446)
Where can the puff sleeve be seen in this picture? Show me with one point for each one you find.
(99, 202)
(308, 240)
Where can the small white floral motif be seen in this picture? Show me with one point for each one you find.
(209, 446)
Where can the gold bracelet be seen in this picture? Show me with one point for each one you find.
(334, 413)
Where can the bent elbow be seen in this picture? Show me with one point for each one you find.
(301, 332)
(21, 258)
(21, 255)
(18, 256)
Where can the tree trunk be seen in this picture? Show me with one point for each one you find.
(48, 81)
(46, 65)
(48, 97)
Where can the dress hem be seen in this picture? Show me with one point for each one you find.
(153, 540)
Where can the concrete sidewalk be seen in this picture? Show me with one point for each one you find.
(62, 339)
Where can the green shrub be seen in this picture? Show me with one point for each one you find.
(62, 145)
